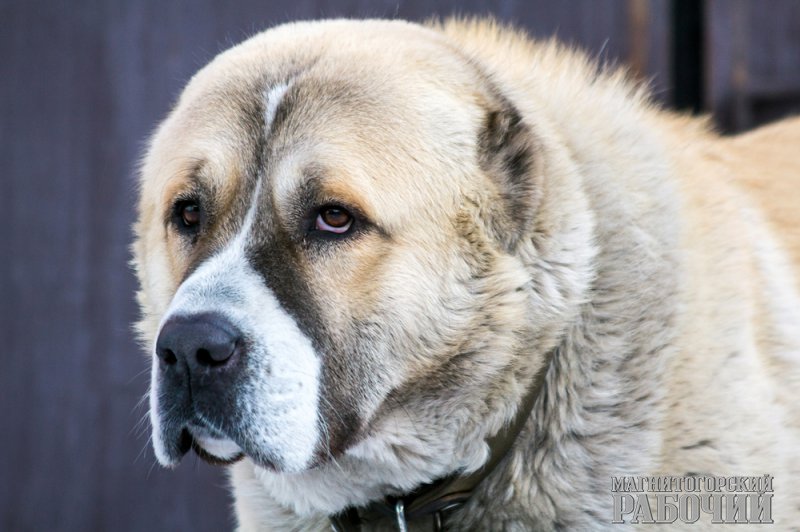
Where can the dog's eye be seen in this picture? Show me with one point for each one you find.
(334, 220)
(189, 213)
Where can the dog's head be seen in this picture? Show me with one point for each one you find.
(340, 222)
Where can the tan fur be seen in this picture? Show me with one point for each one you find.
(660, 270)
(773, 182)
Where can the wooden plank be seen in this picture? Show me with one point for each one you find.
(649, 45)
(75, 124)
(752, 60)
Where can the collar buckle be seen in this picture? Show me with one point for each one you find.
(400, 516)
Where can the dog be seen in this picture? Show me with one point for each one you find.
(382, 261)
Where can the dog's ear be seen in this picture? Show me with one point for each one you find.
(508, 154)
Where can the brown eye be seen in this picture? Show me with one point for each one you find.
(334, 220)
(189, 213)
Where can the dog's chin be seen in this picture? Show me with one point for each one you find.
(214, 450)
(214, 459)
(217, 448)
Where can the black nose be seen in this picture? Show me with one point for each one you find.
(204, 341)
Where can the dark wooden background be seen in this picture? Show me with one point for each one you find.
(83, 83)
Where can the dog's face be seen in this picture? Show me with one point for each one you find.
(328, 234)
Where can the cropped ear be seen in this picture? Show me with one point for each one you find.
(508, 154)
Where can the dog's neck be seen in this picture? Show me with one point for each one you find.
(431, 502)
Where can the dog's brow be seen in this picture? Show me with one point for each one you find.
(191, 172)
(196, 169)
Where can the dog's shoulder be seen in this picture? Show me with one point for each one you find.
(768, 168)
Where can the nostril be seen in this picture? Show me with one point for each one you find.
(204, 358)
(216, 355)
(169, 357)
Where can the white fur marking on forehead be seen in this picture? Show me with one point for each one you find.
(240, 239)
(272, 100)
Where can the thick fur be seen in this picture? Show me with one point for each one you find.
(529, 212)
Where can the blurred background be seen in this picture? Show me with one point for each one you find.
(83, 83)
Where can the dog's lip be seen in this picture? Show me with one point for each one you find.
(212, 448)
(217, 448)
(214, 459)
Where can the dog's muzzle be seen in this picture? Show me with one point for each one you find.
(199, 362)
(233, 373)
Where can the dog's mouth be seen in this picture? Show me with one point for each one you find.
(210, 447)
(210, 444)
